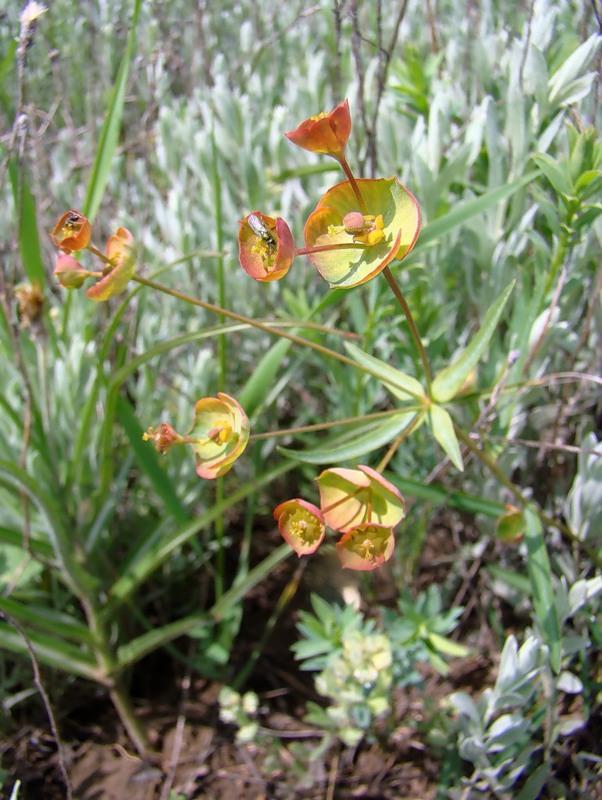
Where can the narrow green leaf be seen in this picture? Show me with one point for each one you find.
(157, 549)
(462, 212)
(109, 136)
(50, 651)
(400, 384)
(54, 622)
(447, 646)
(232, 597)
(444, 433)
(542, 587)
(514, 579)
(29, 240)
(133, 651)
(263, 376)
(14, 538)
(451, 379)
(556, 172)
(362, 440)
(434, 493)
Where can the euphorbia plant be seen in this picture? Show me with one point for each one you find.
(359, 229)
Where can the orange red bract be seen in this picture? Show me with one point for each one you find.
(266, 252)
(325, 133)
(72, 232)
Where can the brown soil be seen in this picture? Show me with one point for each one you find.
(196, 754)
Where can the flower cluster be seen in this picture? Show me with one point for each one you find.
(220, 430)
(359, 503)
(71, 234)
(218, 436)
(357, 228)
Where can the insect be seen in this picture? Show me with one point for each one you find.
(72, 219)
(258, 227)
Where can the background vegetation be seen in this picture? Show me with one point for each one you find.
(167, 118)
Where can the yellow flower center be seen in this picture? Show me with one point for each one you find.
(299, 530)
(368, 229)
(370, 548)
(221, 433)
(267, 251)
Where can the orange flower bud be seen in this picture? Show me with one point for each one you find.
(164, 437)
(325, 133)
(69, 272)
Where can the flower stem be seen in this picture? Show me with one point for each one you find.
(351, 178)
(333, 423)
(224, 312)
(99, 254)
(322, 248)
(393, 447)
(412, 325)
(493, 467)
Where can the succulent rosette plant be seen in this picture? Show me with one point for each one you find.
(266, 249)
(385, 229)
(301, 525)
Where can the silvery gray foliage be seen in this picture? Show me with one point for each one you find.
(496, 734)
(503, 733)
(583, 507)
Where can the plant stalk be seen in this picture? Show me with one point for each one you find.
(394, 286)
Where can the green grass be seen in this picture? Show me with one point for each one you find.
(169, 121)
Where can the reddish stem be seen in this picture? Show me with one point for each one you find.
(351, 178)
(305, 251)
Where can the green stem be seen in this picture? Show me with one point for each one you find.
(224, 312)
(351, 178)
(492, 465)
(412, 325)
(333, 423)
(324, 248)
(222, 355)
(108, 664)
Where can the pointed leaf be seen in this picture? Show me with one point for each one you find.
(444, 433)
(400, 384)
(555, 171)
(462, 212)
(451, 379)
(109, 137)
(363, 440)
(542, 587)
